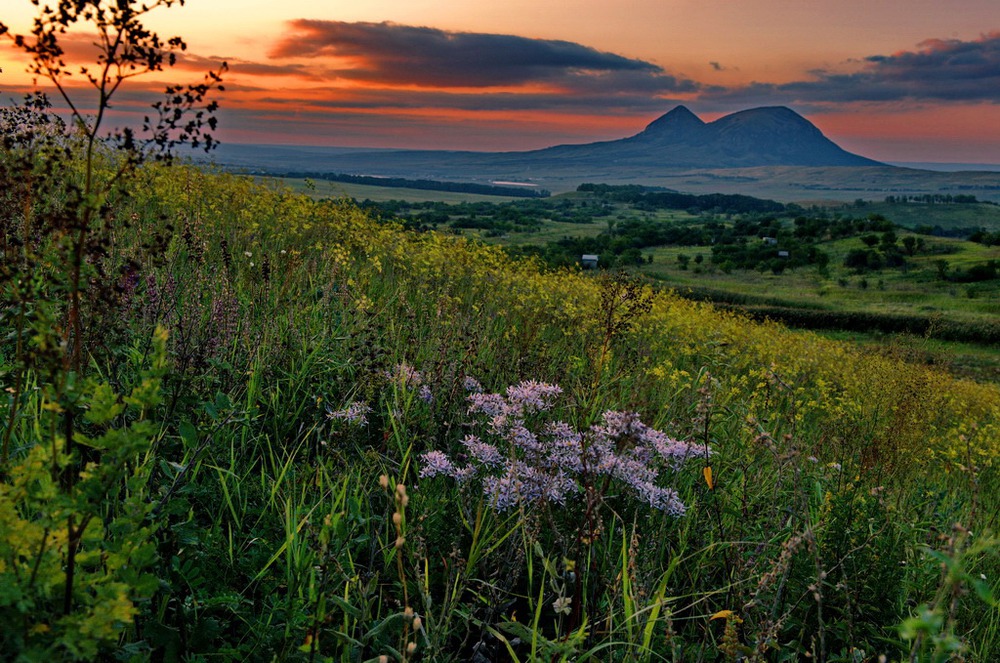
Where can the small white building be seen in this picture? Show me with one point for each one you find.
(589, 261)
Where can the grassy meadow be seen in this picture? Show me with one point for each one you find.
(284, 430)
(920, 291)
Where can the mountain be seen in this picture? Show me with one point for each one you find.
(768, 152)
(774, 136)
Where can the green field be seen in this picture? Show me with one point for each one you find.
(327, 189)
(913, 293)
(916, 293)
(912, 215)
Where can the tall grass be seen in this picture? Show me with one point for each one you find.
(846, 493)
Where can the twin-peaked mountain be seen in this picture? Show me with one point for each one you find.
(766, 152)
(773, 136)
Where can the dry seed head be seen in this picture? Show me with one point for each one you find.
(397, 519)
(410, 648)
(408, 613)
(400, 540)
(417, 623)
(384, 482)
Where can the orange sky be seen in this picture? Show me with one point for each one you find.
(911, 80)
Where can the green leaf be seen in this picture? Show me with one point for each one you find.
(104, 404)
(189, 434)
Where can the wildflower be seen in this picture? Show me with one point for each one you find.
(471, 384)
(356, 413)
(425, 394)
(503, 492)
(531, 396)
(463, 474)
(562, 605)
(435, 463)
(544, 463)
(484, 453)
(490, 404)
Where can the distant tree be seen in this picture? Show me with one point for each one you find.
(630, 257)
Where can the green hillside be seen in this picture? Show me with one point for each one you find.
(296, 432)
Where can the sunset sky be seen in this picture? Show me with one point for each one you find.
(895, 80)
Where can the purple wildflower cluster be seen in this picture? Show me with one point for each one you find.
(518, 465)
(355, 414)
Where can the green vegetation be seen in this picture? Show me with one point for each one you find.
(423, 185)
(809, 267)
(280, 390)
(364, 192)
(243, 424)
(935, 214)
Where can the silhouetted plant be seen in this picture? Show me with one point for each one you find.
(61, 276)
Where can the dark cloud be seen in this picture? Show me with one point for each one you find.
(239, 66)
(387, 53)
(939, 71)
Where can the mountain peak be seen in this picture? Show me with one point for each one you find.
(677, 120)
(777, 116)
